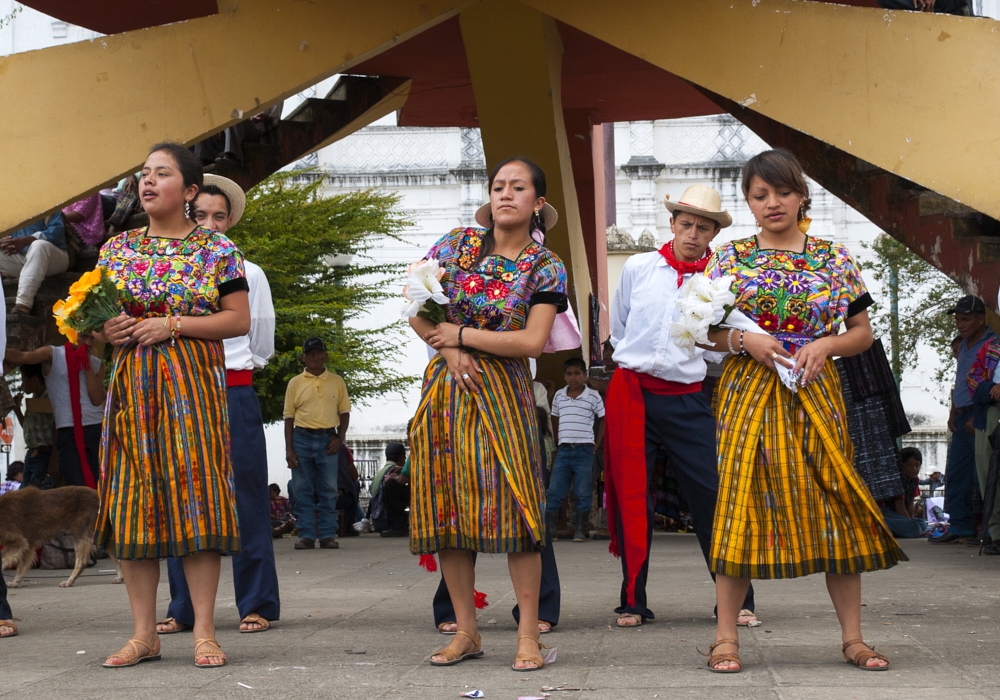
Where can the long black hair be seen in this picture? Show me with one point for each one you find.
(188, 165)
(537, 181)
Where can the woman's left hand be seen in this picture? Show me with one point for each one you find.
(445, 335)
(151, 331)
(812, 358)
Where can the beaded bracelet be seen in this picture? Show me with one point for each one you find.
(175, 330)
(743, 350)
(461, 345)
(729, 341)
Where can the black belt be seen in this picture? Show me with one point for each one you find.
(318, 431)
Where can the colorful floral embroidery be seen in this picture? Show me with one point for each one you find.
(796, 296)
(496, 294)
(167, 276)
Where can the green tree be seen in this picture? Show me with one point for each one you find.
(916, 296)
(315, 252)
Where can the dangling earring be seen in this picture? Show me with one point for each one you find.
(804, 220)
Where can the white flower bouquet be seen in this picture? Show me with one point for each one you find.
(423, 291)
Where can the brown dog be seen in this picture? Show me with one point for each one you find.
(31, 517)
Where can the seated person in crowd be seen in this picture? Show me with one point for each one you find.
(87, 219)
(15, 473)
(899, 513)
(393, 482)
(38, 427)
(282, 520)
(31, 254)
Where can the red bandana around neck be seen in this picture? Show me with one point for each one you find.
(77, 357)
(684, 268)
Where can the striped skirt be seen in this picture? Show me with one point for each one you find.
(475, 467)
(790, 502)
(166, 474)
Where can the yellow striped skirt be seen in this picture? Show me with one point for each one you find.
(475, 462)
(790, 502)
(166, 474)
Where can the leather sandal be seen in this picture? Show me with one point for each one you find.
(747, 614)
(529, 658)
(442, 630)
(212, 650)
(174, 624)
(11, 625)
(862, 658)
(639, 620)
(255, 619)
(453, 657)
(732, 657)
(130, 654)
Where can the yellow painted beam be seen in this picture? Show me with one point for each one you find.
(917, 94)
(515, 59)
(78, 116)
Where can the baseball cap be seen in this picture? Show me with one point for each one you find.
(316, 343)
(969, 304)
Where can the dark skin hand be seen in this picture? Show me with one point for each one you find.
(13, 246)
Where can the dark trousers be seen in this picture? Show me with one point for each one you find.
(549, 595)
(962, 480)
(254, 576)
(5, 613)
(682, 427)
(69, 458)
(36, 465)
(396, 499)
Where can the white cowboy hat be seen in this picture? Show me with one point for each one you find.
(484, 216)
(233, 192)
(701, 200)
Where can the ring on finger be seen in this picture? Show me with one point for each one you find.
(774, 356)
(465, 376)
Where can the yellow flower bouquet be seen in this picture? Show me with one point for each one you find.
(92, 301)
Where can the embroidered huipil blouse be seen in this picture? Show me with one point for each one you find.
(498, 293)
(167, 276)
(797, 297)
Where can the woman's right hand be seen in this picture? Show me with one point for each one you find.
(464, 369)
(763, 347)
(118, 330)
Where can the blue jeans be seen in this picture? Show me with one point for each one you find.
(902, 527)
(36, 465)
(962, 480)
(574, 462)
(315, 484)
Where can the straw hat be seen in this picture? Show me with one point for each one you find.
(233, 192)
(484, 216)
(701, 200)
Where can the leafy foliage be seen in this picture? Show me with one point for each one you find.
(301, 240)
(924, 293)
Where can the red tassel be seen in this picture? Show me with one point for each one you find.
(428, 563)
(480, 599)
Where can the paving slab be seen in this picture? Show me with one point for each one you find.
(357, 624)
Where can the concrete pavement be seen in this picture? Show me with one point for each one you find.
(356, 624)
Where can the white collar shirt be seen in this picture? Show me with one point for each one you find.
(253, 350)
(644, 306)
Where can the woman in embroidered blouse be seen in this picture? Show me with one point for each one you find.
(166, 478)
(476, 469)
(790, 503)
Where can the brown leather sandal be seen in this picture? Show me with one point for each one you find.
(175, 626)
(862, 658)
(455, 657)
(255, 619)
(529, 658)
(732, 657)
(130, 654)
(11, 625)
(442, 630)
(212, 650)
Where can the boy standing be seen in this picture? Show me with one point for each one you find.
(38, 427)
(317, 413)
(576, 411)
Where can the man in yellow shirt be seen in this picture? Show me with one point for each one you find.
(317, 413)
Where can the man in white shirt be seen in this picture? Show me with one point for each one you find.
(654, 401)
(219, 206)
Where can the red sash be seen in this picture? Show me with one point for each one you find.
(77, 357)
(625, 462)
